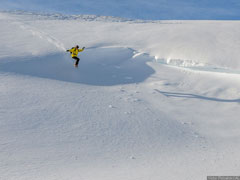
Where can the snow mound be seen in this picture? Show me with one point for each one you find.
(98, 66)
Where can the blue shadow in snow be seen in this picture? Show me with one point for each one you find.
(99, 66)
(187, 95)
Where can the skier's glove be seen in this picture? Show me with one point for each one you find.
(67, 50)
(83, 48)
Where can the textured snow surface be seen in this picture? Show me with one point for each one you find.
(149, 100)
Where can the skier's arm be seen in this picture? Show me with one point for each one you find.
(80, 50)
(70, 50)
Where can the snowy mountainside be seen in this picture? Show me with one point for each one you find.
(200, 43)
(137, 107)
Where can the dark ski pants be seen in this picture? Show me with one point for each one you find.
(77, 60)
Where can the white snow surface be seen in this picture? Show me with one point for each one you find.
(149, 100)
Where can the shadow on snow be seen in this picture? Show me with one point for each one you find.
(100, 66)
(188, 95)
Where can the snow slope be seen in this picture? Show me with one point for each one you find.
(150, 99)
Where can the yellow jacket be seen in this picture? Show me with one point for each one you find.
(75, 51)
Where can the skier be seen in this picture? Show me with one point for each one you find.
(74, 51)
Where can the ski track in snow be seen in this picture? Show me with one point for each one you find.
(42, 35)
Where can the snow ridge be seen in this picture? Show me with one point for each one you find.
(59, 16)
